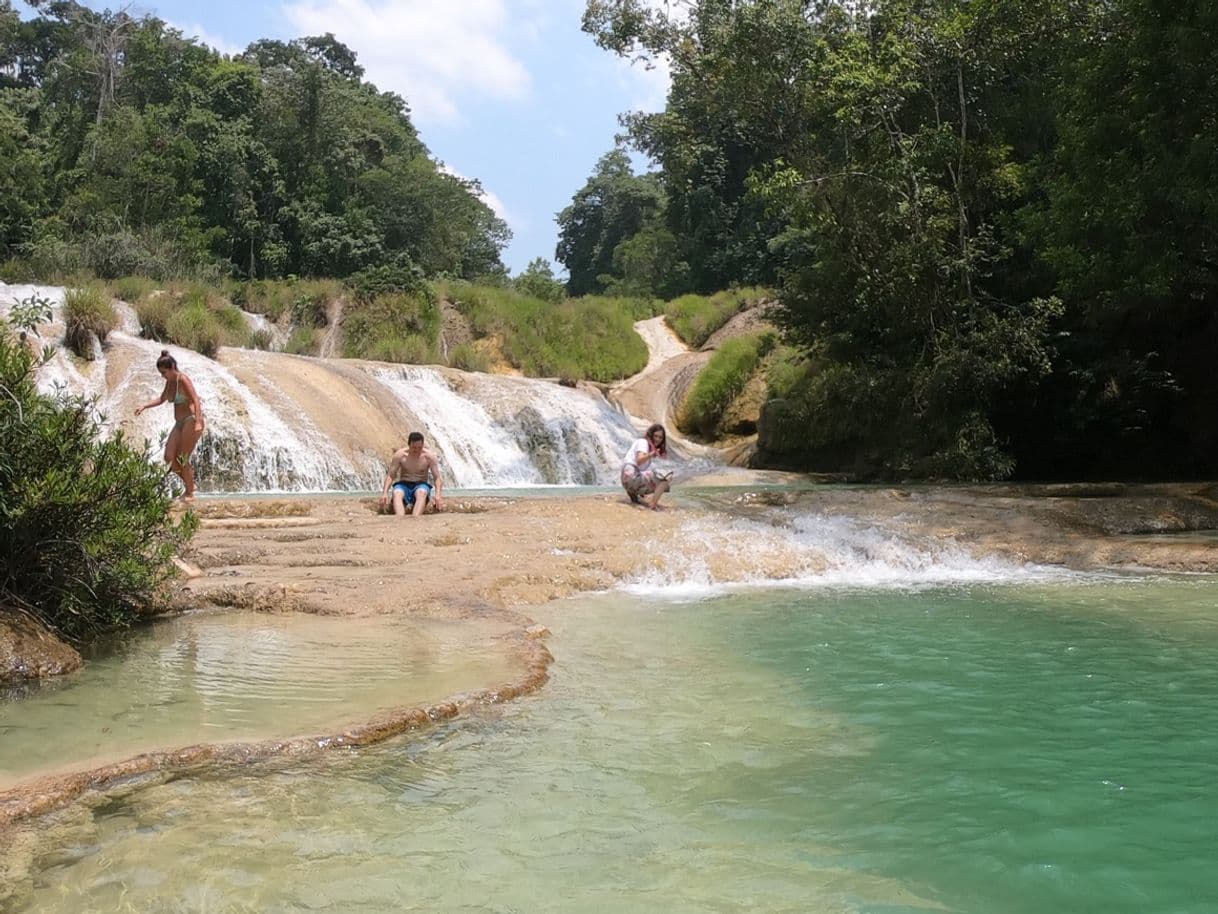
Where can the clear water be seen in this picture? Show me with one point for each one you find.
(218, 677)
(996, 749)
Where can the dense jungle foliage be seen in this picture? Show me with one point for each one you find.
(127, 149)
(992, 226)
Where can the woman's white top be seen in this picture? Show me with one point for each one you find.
(640, 444)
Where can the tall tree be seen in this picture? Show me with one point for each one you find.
(610, 208)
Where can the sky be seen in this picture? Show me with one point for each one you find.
(509, 92)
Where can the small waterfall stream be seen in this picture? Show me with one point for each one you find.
(278, 422)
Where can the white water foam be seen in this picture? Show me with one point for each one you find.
(816, 550)
(498, 432)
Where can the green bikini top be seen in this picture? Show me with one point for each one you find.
(178, 397)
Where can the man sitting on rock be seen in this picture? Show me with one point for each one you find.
(407, 477)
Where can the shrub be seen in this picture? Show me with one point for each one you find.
(157, 252)
(195, 316)
(306, 300)
(400, 275)
(132, 288)
(470, 357)
(17, 270)
(303, 341)
(88, 313)
(86, 536)
(695, 317)
(722, 380)
(154, 311)
(195, 327)
(261, 339)
(392, 327)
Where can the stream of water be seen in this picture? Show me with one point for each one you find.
(1011, 746)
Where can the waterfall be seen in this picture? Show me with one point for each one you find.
(279, 422)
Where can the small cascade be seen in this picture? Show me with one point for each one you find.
(493, 431)
(279, 422)
(810, 549)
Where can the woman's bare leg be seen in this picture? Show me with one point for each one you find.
(184, 446)
(172, 447)
(653, 500)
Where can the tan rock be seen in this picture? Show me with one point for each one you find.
(28, 651)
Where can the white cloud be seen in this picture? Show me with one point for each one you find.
(488, 197)
(646, 85)
(434, 54)
(203, 36)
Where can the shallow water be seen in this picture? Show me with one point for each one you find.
(218, 677)
(980, 748)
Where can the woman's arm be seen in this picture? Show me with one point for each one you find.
(157, 402)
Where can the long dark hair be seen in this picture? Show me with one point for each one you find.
(166, 361)
(662, 450)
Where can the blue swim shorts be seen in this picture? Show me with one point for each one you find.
(409, 488)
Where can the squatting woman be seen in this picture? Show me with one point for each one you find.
(188, 415)
(643, 482)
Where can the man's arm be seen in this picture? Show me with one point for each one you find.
(439, 479)
(389, 477)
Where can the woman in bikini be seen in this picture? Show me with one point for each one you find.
(642, 482)
(189, 424)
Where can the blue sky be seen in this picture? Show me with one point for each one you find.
(510, 92)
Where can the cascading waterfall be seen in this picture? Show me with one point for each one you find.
(278, 422)
(497, 431)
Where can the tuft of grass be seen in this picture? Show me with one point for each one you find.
(194, 327)
(393, 327)
(695, 317)
(194, 316)
(88, 313)
(583, 338)
(154, 311)
(470, 357)
(722, 380)
(303, 341)
(17, 270)
(132, 288)
(261, 339)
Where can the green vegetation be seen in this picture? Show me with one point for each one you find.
(131, 150)
(393, 327)
(88, 314)
(193, 316)
(990, 227)
(588, 338)
(305, 300)
(695, 317)
(303, 341)
(86, 537)
(722, 380)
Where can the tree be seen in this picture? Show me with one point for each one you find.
(610, 208)
(538, 280)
